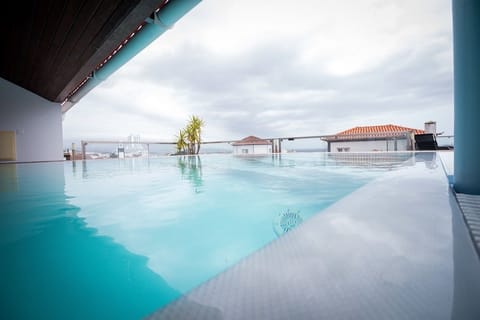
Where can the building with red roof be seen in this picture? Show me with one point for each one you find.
(387, 137)
(252, 145)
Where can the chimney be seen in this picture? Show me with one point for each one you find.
(431, 127)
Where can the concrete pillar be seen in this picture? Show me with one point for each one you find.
(73, 151)
(84, 153)
(466, 49)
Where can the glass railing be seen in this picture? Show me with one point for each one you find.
(445, 141)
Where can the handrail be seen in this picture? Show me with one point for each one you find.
(390, 134)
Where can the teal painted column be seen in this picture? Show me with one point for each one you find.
(466, 49)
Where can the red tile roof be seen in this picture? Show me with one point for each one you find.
(251, 140)
(382, 131)
(387, 128)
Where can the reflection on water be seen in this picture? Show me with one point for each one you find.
(191, 169)
(84, 169)
(389, 160)
(372, 159)
(429, 158)
(8, 178)
(55, 267)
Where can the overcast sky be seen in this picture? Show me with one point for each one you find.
(281, 68)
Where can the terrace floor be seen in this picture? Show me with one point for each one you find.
(397, 248)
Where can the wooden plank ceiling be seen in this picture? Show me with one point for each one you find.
(50, 46)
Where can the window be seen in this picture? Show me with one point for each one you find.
(244, 151)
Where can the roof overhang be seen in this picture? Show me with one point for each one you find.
(52, 48)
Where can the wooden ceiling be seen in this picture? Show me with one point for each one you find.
(50, 46)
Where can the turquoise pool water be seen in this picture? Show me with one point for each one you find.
(118, 239)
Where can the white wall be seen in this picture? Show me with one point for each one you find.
(366, 146)
(36, 121)
(252, 149)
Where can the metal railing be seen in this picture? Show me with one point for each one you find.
(447, 140)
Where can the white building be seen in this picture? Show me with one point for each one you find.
(373, 138)
(135, 148)
(252, 145)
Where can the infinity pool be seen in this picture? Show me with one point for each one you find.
(118, 239)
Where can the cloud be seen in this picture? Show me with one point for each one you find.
(282, 68)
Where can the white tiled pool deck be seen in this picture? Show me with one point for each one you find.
(397, 248)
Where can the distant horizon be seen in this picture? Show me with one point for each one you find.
(109, 148)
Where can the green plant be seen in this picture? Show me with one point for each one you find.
(189, 139)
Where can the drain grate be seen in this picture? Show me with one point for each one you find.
(286, 221)
(470, 205)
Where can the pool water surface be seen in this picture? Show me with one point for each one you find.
(121, 238)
